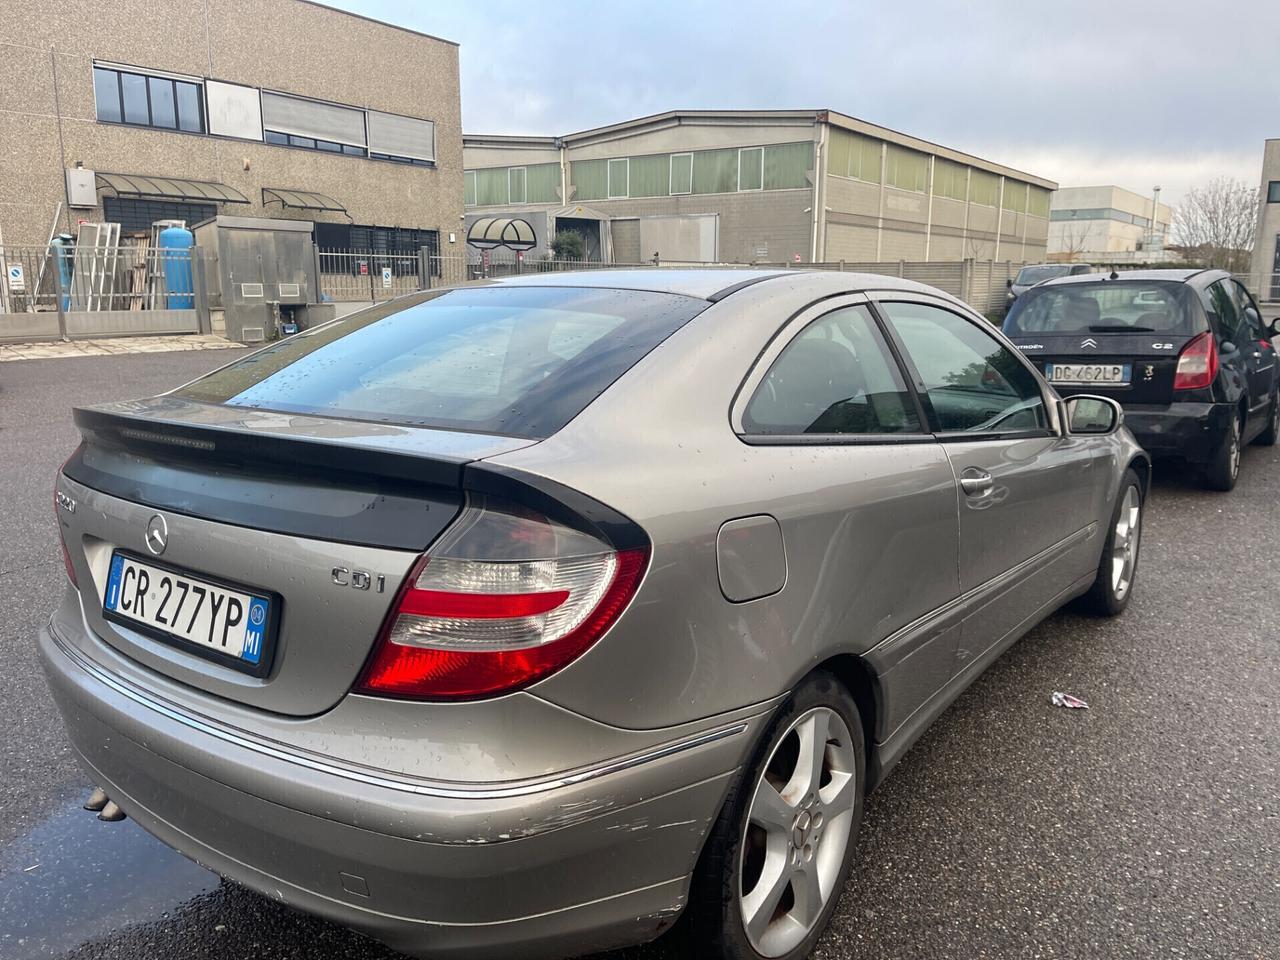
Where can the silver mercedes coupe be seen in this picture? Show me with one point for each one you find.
(541, 617)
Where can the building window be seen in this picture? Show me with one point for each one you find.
(1273, 191)
(469, 188)
(751, 168)
(906, 169)
(311, 143)
(516, 184)
(394, 247)
(145, 100)
(619, 175)
(137, 216)
(413, 161)
(681, 174)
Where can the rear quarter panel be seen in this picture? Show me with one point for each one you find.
(869, 531)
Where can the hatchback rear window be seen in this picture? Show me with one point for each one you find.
(1110, 306)
(1044, 271)
(518, 361)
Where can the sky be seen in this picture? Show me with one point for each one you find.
(1125, 92)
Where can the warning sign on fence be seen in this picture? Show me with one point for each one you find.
(17, 279)
(386, 276)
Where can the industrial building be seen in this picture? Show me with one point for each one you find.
(182, 110)
(1108, 225)
(1265, 273)
(758, 186)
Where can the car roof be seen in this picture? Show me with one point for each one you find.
(1194, 277)
(706, 283)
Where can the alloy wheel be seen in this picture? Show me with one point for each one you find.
(797, 831)
(1124, 543)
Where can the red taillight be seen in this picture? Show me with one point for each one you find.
(1197, 364)
(506, 598)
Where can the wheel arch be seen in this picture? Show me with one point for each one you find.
(856, 676)
(1141, 465)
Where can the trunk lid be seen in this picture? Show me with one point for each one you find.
(323, 516)
(1151, 360)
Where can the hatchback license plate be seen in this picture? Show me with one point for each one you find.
(212, 617)
(1111, 374)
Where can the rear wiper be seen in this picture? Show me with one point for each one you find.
(1120, 328)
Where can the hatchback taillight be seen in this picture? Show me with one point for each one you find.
(505, 598)
(1197, 364)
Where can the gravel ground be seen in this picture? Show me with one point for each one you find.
(1147, 826)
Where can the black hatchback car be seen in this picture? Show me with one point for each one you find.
(1185, 352)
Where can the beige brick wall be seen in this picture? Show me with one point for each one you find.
(284, 45)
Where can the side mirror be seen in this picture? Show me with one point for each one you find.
(1096, 416)
(1273, 328)
(1009, 284)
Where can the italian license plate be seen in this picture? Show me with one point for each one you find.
(215, 618)
(1082, 374)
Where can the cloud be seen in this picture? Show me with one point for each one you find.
(1133, 92)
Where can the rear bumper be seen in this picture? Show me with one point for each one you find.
(1192, 432)
(578, 864)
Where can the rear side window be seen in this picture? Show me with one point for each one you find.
(1109, 306)
(518, 361)
(974, 383)
(835, 377)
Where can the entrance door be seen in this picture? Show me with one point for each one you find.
(590, 231)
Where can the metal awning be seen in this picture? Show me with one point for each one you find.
(301, 199)
(510, 232)
(168, 188)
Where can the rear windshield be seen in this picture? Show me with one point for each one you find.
(1110, 306)
(1029, 275)
(518, 361)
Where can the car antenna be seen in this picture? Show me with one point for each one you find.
(1114, 275)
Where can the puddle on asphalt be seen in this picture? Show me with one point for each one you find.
(74, 879)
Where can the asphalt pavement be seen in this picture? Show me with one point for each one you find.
(1145, 826)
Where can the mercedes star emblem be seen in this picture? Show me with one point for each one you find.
(157, 537)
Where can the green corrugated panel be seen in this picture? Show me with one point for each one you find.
(516, 180)
(491, 186)
(1038, 202)
(715, 171)
(543, 183)
(853, 155)
(751, 168)
(906, 169)
(1015, 196)
(984, 188)
(681, 173)
(840, 152)
(620, 177)
(786, 165)
(949, 179)
(590, 179)
(469, 188)
(651, 176)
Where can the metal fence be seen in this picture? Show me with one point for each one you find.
(81, 291)
(117, 277)
(354, 275)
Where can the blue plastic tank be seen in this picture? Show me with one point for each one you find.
(175, 248)
(64, 252)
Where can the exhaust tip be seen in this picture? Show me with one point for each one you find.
(97, 800)
(111, 813)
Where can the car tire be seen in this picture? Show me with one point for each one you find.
(1271, 433)
(1118, 565)
(788, 880)
(1224, 469)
